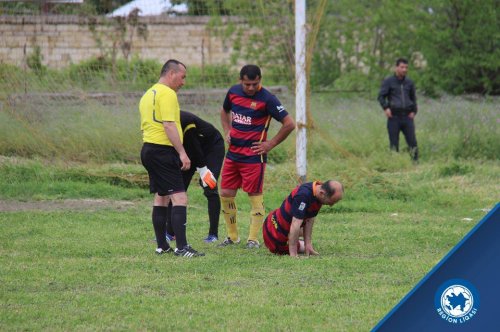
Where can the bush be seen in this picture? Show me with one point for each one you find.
(87, 72)
(426, 83)
(455, 169)
(138, 75)
(355, 81)
(462, 46)
(34, 61)
(9, 76)
(143, 71)
(321, 78)
(213, 76)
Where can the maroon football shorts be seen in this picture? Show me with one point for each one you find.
(249, 177)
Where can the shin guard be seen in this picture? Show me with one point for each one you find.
(256, 216)
(229, 211)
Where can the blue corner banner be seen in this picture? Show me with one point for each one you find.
(461, 293)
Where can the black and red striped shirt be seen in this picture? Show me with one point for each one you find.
(301, 204)
(251, 116)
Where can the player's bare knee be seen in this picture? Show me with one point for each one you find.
(179, 199)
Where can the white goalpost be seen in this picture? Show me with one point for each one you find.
(300, 89)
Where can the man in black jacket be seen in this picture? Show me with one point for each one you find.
(399, 102)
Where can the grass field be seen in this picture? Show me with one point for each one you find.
(79, 265)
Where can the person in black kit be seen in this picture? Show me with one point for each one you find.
(399, 102)
(204, 146)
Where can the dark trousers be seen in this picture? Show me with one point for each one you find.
(214, 156)
(405, 124)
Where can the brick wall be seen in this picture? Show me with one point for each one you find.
(68, 39)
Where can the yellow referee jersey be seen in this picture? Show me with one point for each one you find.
(157, 105)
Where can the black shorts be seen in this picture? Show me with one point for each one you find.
(164, 168)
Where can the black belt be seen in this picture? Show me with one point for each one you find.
(400, 112)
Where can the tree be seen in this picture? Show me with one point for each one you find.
(360, 40)
(462, 45)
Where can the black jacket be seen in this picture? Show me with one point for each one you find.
(199, 138)
(398, 94)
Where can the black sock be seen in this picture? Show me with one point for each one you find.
(170, 228)
(179, 219)
(213, 210)
(159, 213)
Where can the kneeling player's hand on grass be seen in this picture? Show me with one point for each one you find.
(311, 252)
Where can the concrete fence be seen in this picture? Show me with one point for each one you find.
(66, 39)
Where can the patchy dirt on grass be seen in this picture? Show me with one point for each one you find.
(64, 204)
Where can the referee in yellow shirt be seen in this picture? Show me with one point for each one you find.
(164, 157)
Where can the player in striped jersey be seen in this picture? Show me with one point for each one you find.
(283, 226)
(246, 114)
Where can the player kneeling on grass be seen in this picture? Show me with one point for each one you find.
(283, 226)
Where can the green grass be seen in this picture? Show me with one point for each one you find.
(109, 130)
(95, 270)
(97, 74)
(72, 269)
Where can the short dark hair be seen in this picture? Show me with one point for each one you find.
(328, 189)
(170, 65)
(251, 72)
(401, 60)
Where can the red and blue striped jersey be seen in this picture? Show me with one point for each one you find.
(251, 116)
(301, 204)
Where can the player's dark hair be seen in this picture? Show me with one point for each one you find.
(171, 65)
(252, 72)
(401, 60)
(328, 189)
